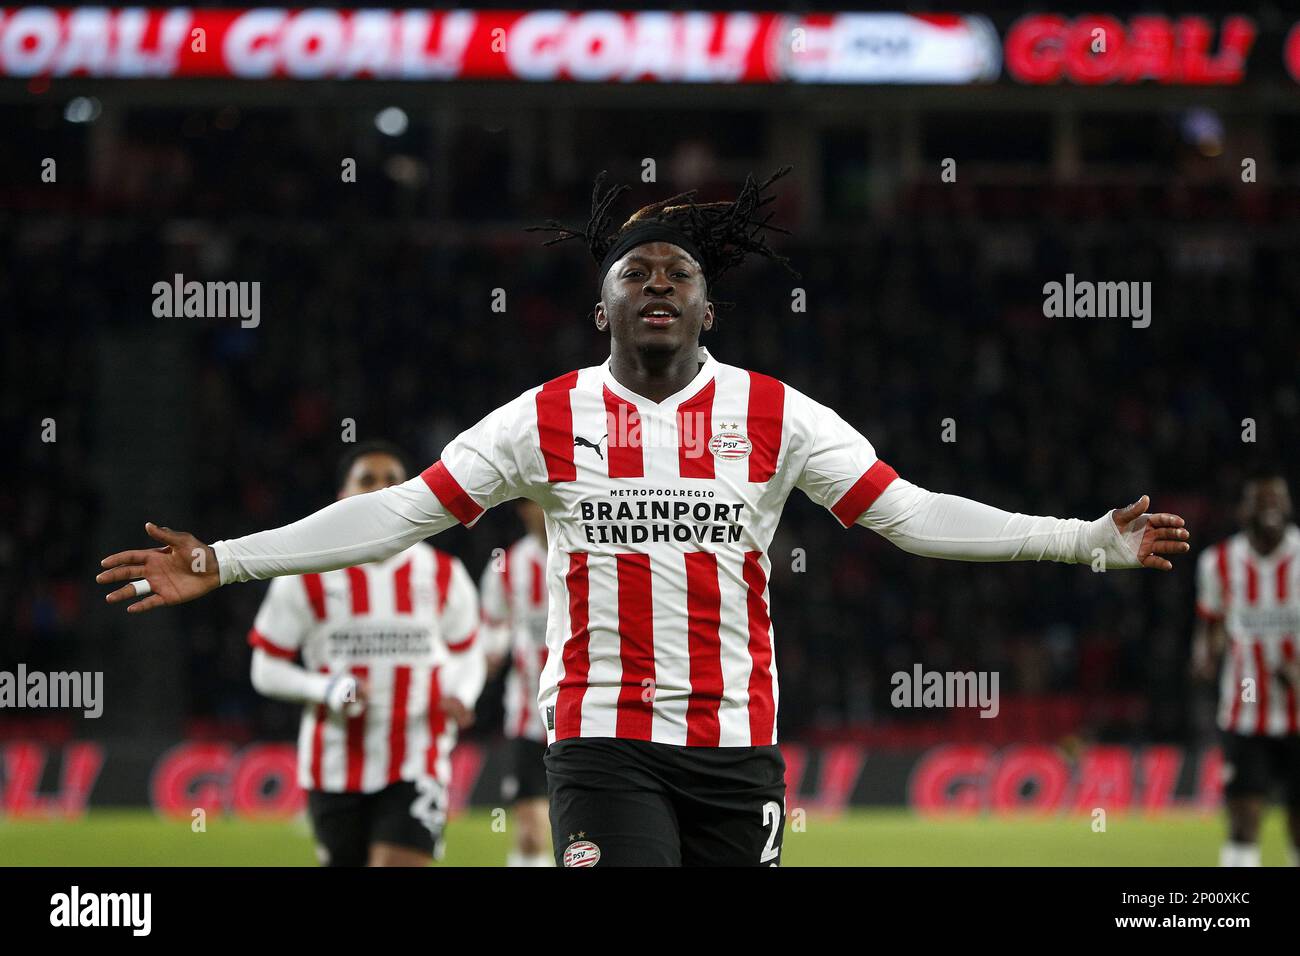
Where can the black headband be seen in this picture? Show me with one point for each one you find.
(639, 235)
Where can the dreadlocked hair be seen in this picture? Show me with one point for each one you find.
(724, 232)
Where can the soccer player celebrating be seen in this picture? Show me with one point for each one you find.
(390, 669)
(1248, 614)
(662, 473)
(514, 625)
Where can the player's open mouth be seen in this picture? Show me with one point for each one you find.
(659, 314)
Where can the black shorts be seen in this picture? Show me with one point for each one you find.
(408, 814)
(634, 803)
(525, 777)
(1254, 764)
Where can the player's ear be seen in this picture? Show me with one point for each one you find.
(602, 320)
(708, 316)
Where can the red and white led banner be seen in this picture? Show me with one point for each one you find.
(1096, 48)
(538, 45)
(259, 779)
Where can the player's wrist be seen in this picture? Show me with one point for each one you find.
(340, 692)
(211, 566)
(1103, 536)
(225, 563)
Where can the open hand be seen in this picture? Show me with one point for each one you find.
(1151, 537)
(183, 569)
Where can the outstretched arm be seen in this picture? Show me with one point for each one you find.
(477, 471)
(947, 526)
(843, 474)
(355, 530)
(352, 531)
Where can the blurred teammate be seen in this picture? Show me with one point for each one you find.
(1248, 614)
(390, 668)
(663, 474)
(514, 625)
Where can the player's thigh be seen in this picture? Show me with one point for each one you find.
(736, 832)
(339, 824)
(613, 828)
(409, 815)
(533, 824)
(730, 806)
(1288, 771)
(528, 766)
(1248, 767)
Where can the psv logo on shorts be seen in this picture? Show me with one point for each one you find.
(582, 853)
(729, 445)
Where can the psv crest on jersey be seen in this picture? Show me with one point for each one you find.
(729, 444)
(582, 853)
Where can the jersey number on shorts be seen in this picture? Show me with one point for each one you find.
(772, 818)
(429, 807)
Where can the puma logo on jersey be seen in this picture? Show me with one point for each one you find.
(580, 442)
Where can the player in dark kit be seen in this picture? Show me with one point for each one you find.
(660, 690)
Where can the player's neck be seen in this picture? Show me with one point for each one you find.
(655, 375)
(1264, 543)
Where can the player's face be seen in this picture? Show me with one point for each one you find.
(654, 298)
(1266, 506)
(534, 519)
(372, 472)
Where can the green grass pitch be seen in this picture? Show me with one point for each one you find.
(856, 838)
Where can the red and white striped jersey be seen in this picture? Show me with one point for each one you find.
(513, 594)
(658, 518)
(1257, 597)
(407, 627)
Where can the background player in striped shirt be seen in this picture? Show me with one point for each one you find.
(1248, 619)
(513, 591)
(663, 474)
(390, 668)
